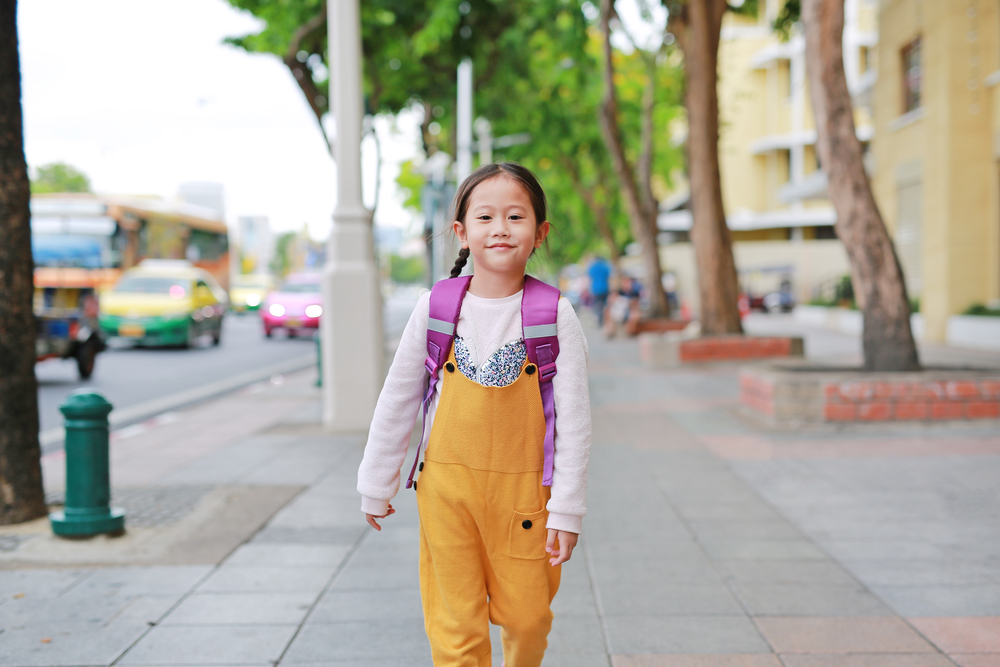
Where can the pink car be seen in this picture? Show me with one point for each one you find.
(295, 306)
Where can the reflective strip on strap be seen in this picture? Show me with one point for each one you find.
(440, 326)
(539, 331)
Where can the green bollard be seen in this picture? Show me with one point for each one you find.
(88, 481)
(319, 361)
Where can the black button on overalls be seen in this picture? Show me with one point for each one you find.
(530, 369)
(526, 524)
(450, 367)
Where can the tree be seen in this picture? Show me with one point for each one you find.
(22, 496)
(59, 177)
(697, 25)
(635, 179)
(875, 271)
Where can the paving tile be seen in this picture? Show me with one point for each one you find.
(977, 659)
(578, 634)
(683, 634)
(72, 644)
(654, 567)
(961, 635)
(668, 600)
(575, 596)
(916, 572)
(39, 583)
(841, 634)
(133, 581)
(210, 645)
(810, 600)
(94, 612)
(729, 511)
(942, 600)
(315, 535)
(764, 550)
(410, 661)
(241, 609)
(554, 659)
(865, 660)
(338, 606)
(720, 530)
(682, 660)
(369, 576)
(809, 572)
(246, 579)
(889, 549)
(354, 641)
(294, 555)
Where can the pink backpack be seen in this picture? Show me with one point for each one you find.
(539, 310)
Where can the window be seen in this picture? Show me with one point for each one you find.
(912, 76)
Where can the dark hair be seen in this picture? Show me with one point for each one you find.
(510, 170)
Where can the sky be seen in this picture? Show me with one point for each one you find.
(143, 96)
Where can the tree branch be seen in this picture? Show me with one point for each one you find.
(302, 73)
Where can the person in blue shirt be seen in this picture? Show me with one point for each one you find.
(599, 273)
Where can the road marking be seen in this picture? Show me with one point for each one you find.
(138, 413)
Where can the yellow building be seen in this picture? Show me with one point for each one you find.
(936, 149)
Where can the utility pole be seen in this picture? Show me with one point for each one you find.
(463, 164)
(351, 325)
(484, 140)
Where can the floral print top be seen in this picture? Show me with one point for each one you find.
(500, 370)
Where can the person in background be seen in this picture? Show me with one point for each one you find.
(599, 273)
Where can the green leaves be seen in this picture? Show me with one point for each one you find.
(59, 177)
(536, 71)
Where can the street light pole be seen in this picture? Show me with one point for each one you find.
(351, 326)
(463, 161)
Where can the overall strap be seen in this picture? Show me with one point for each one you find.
(539, 313)
(442, 316)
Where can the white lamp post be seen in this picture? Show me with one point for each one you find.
(351, 326)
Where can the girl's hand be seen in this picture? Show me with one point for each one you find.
(371, 518)
(567, 542)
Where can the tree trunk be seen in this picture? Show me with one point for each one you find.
(21, 494)
(697, 27)
(643, 228)
(875, 271)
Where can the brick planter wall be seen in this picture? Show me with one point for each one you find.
(671, 349)
(791, 394)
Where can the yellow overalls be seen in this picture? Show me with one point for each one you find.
(482, 523)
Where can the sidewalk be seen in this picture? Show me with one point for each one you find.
(709, 542)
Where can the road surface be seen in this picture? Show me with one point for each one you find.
(135, 379)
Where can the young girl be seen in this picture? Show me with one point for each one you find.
(492, 535)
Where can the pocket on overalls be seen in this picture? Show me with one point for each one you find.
(527, 535)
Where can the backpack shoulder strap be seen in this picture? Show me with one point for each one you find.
(445, 305)
(539, 314)
(442, 316)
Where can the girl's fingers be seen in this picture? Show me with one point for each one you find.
(550, 541)
(372, 522)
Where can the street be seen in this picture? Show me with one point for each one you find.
(133, 377)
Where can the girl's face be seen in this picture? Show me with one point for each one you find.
(500, 229)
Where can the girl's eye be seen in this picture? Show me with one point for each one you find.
(484, 217)
(515, 217)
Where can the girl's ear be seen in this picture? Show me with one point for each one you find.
(459, 229)
(540, 233)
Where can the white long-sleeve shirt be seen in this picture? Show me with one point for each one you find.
(485, 325)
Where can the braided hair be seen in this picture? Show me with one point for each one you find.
(510, 170)
(463, 259)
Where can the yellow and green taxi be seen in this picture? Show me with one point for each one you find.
(247, 292)
(164, 302)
